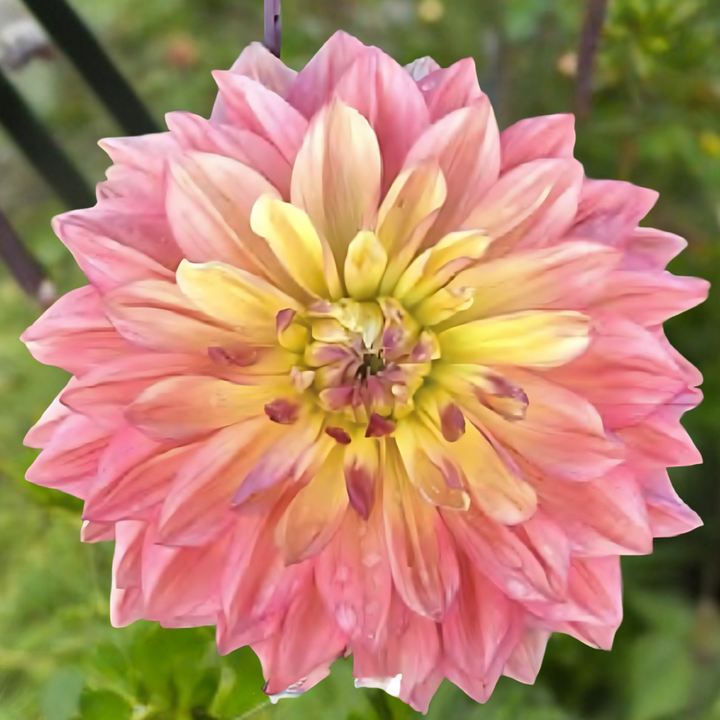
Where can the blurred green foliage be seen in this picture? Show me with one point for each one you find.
(655, 120)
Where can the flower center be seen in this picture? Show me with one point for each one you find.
(359, 359)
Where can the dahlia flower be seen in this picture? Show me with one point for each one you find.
(356, 373)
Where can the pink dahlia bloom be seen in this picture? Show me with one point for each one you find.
(355, 373)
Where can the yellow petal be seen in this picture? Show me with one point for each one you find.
(408, 211)
(235, 297)
(443, 305)
(429, 466)
(294, 241)
(530, 339)
(496, 488)
(439, 265)
(364, 266)
(337, 174)
(315, 514)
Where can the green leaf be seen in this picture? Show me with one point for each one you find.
(104, 705)
(662, 677)
(61, 695)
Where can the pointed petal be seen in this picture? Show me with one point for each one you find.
(70, 460)
(532, 339)
(668, 515)
(200, 498)
(526, 658)
(309, 643)
(650, 299)
(315, 514)
(531, 206)
(235, 297)
(294, 241)
(315, 83)
(466, 145)
(565, 276)
(475, 627)
(181, 407)
(650, 249)
(209, 204)
(158, 316)
(609, 210)
(106, 262)
(75, 334)
(606, 516)
(547, 136)
(383, 92)
(258, 63)
(448, 89)
(336, 178)
(249, 105)
(421, 553)
(353, 576)
(421, 68)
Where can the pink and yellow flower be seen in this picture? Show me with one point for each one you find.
(357, 373)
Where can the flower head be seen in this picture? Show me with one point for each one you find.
(357, 373)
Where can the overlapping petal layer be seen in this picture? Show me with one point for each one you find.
(357, 373)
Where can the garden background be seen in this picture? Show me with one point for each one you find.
(654, 120)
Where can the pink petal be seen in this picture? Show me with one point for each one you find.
(474, 629)
(251, 106)
(145, 229)
(257, 587)
(353, 576)
(525, 567)
(651, 298)
(420, 549)
(209, 202)
(158, 316)
(199, 500)
(106, 391)
(421, 68)
(106, 263)
(309, 643)
(609, 210)
(179, 408)
(526, 658)
(196, 133)
(660, 439)
(130, 491)
(316, 82)
(379, 88)
(75, 334)
(405, 662)
(543, 195)
(625, 373)
(70, 460)
(92, 532)
(668, 515)
(650, 249)
(176, 581)
(466, 145)
(565, 276)
(562, 433)
(448, 89)
(547, 136)
(258, 63)
(50, 421)
(146, 153)
(604, 517)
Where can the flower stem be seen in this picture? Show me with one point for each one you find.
(273, 27)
